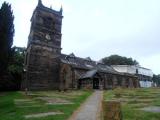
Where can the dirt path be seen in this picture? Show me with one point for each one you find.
(90, 110)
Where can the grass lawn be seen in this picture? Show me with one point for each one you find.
(133, 100)
(16, 105)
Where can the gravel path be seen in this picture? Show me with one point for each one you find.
(91, 109)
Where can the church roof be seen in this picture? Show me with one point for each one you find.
(82, 63)
(89, 74)
(91, 66)
(72, 55)
(77, 62)
(88, 58)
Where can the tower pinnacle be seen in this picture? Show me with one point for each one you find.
(39, 2)
(61, 9)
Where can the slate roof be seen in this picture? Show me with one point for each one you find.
(89, 74)
(88, 58)
(88, 64)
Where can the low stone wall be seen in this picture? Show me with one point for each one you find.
(111, 110)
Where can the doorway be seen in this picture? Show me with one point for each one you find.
(95, 83)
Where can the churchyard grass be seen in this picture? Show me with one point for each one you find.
(17, 105)
(134, 101)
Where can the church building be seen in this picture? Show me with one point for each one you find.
(46, 68)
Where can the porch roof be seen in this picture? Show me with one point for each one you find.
(89, 74)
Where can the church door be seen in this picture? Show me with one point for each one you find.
(95, 83)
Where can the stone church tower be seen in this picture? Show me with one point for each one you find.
(42, 60)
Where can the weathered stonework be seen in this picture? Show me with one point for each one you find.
(47, 69)
(42, 60)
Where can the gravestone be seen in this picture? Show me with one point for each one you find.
(112, 110)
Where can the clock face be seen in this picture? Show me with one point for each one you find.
(48, 37)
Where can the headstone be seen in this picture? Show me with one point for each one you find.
(112, 110)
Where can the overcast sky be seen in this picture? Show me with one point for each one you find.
(99, 28)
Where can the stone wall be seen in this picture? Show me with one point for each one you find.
(42, 69)
(42, 61)
(65, 76)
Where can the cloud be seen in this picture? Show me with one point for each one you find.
(100, 28)
(151, 62)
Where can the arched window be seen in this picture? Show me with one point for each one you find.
(64, 78)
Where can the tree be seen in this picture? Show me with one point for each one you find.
(6, 36)
(6, 41)
(156, 79)
(15, 67)
(12, 81)
(119, 60)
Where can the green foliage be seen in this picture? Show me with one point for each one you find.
(156, 79)
(12, 80)
(6, 35)
(15, 67)
(119, 60)
(6, 40)
(17, 60)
